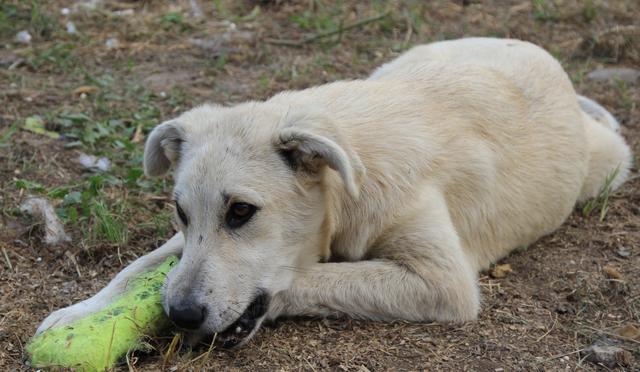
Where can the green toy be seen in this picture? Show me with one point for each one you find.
(98, 341)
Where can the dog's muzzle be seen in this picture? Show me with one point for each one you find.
(244, 326)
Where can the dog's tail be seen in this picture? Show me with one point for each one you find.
(610, 157)
(598, 113)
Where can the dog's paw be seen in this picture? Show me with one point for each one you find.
(67, 316)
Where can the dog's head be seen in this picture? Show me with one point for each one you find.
(250, 201)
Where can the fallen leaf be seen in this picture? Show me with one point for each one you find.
(611, 272)
(623, 252)
(94, 163)
(500, 271)
(35, 124)
(85, 89)
(138, 136)
(629, 331)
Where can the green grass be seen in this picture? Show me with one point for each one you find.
(589, 11)
(56, 58)
(601, 201)
(103, 206)
(106, 225)
(27, 15)
(623, 90)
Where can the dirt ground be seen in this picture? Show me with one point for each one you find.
(130, 65)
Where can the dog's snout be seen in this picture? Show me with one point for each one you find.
(187, 315)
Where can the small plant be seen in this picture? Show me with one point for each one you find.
(174, 19)
(544, 10)
(601, 201)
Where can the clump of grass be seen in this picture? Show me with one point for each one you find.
(601, 201)
(107, 225)
(29, 15)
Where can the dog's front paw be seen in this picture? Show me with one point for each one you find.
(67, 316)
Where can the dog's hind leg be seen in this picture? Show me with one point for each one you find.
(418, 272)
(103, 298)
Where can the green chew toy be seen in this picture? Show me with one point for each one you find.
(98, 341)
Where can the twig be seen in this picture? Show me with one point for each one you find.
(562, 355)
(617, 29)
(72, 258)
(611, 334)
(550, 329)
(204, 355)
(322, 35)
(6, 257)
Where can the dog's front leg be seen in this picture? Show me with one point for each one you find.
(117, 285)
(418, 272)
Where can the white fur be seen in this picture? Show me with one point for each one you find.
(441, 163)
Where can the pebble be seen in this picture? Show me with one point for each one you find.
(23, 37)
(623, 252)
(94, 163)
(112, 43)
(71, 28)
(607, 355)
(123, 13)
(628, 75)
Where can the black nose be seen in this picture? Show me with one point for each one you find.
(187, 316)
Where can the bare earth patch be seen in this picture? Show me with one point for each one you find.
(573, 288)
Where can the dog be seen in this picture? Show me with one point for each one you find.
(376, 199)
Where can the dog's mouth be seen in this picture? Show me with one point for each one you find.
(243, 328)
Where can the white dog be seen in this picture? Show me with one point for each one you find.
(377, 199)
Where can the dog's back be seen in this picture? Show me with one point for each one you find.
(495, 123)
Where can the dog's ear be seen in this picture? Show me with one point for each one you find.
(163, 148)
(310, 143)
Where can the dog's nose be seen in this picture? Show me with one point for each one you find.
(187, 316)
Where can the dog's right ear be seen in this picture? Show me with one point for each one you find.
(163, 148)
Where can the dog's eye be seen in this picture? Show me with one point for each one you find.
(182, 215)
(239, 214)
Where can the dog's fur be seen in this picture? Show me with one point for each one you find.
(378, 198)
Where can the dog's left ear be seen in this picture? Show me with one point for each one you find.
(310, 143)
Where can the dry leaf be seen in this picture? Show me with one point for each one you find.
(612, 273)
(500, 271)
(86, 89)
(629, 331)
(138, 136)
